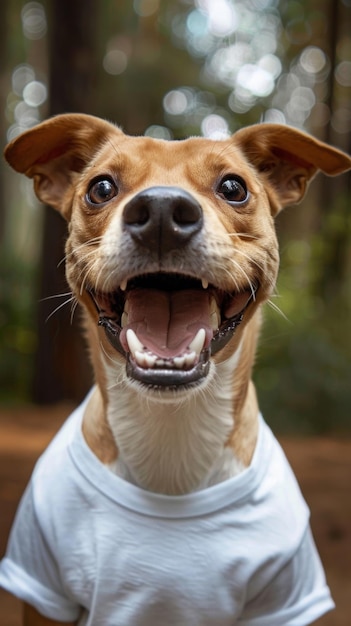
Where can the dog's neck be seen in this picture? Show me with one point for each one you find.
(175, 446)
(181, 444)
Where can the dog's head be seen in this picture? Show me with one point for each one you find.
(171, 245)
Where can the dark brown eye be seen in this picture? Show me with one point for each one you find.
(102, 190)
(232, 189)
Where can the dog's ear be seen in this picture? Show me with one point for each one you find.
(289, 158)
(55, 151)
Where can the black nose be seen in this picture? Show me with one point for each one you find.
(163, 218)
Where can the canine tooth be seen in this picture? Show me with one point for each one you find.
(124, 319)
(179, 362)
(198, 342)
(204, 283)
(123, 285)
(133, 342)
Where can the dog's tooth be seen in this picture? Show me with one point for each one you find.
(179, 362)
(140, 358)
(133, 342)
(204, 283)
(213, 305)
(198, 342)
(190, 358)
(124, 319)
(150, 359)
(214, 321)
(160, 362)
(215, 314)
(123, 285)
(144, 359)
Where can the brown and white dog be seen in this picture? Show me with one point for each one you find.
(171, 252)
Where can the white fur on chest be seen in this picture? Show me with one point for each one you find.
(174, 445)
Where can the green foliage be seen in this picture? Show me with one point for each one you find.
(304, 370)
(17, 324)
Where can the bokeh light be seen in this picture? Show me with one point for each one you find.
(35, 93)
(115, 62)
(215, 127)
(158, 132)
(34, 20)
(145, 8)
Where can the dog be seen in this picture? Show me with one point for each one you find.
(165, 498)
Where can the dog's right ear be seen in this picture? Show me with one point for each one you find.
(53, 152)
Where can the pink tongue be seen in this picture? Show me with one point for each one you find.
(167, 322)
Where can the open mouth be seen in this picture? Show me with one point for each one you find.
(168, 325)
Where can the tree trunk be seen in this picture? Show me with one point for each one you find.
(335, 193)
(62, 369)
(3, 57)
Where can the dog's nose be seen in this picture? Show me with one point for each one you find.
(163, 218)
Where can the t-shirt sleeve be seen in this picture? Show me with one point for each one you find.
(296, 596)
(29, 570)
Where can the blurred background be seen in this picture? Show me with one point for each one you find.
(169, 69)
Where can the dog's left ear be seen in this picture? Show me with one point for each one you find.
(289, 159)
(53, 152)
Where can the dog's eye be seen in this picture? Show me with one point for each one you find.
(102, 190)
(232, 189)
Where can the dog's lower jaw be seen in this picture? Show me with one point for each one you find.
(175, 445)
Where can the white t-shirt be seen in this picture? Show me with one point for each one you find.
(88, 545)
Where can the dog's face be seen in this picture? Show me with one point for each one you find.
(174, 243)
(171, 245)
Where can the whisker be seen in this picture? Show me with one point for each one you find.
(59, 307)
(73, 309)
(278, 310)
(238, 267)
(250, 258)
(226, 148)
(115, 148)
(107, 355)
(120, 378)
(84, 273)
(238, 234)
(91, 242)
(57, 295)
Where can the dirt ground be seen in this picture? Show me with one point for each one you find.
(322, 466)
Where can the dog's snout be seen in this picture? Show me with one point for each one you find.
(163, 218)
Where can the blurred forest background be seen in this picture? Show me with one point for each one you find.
(170, 68)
